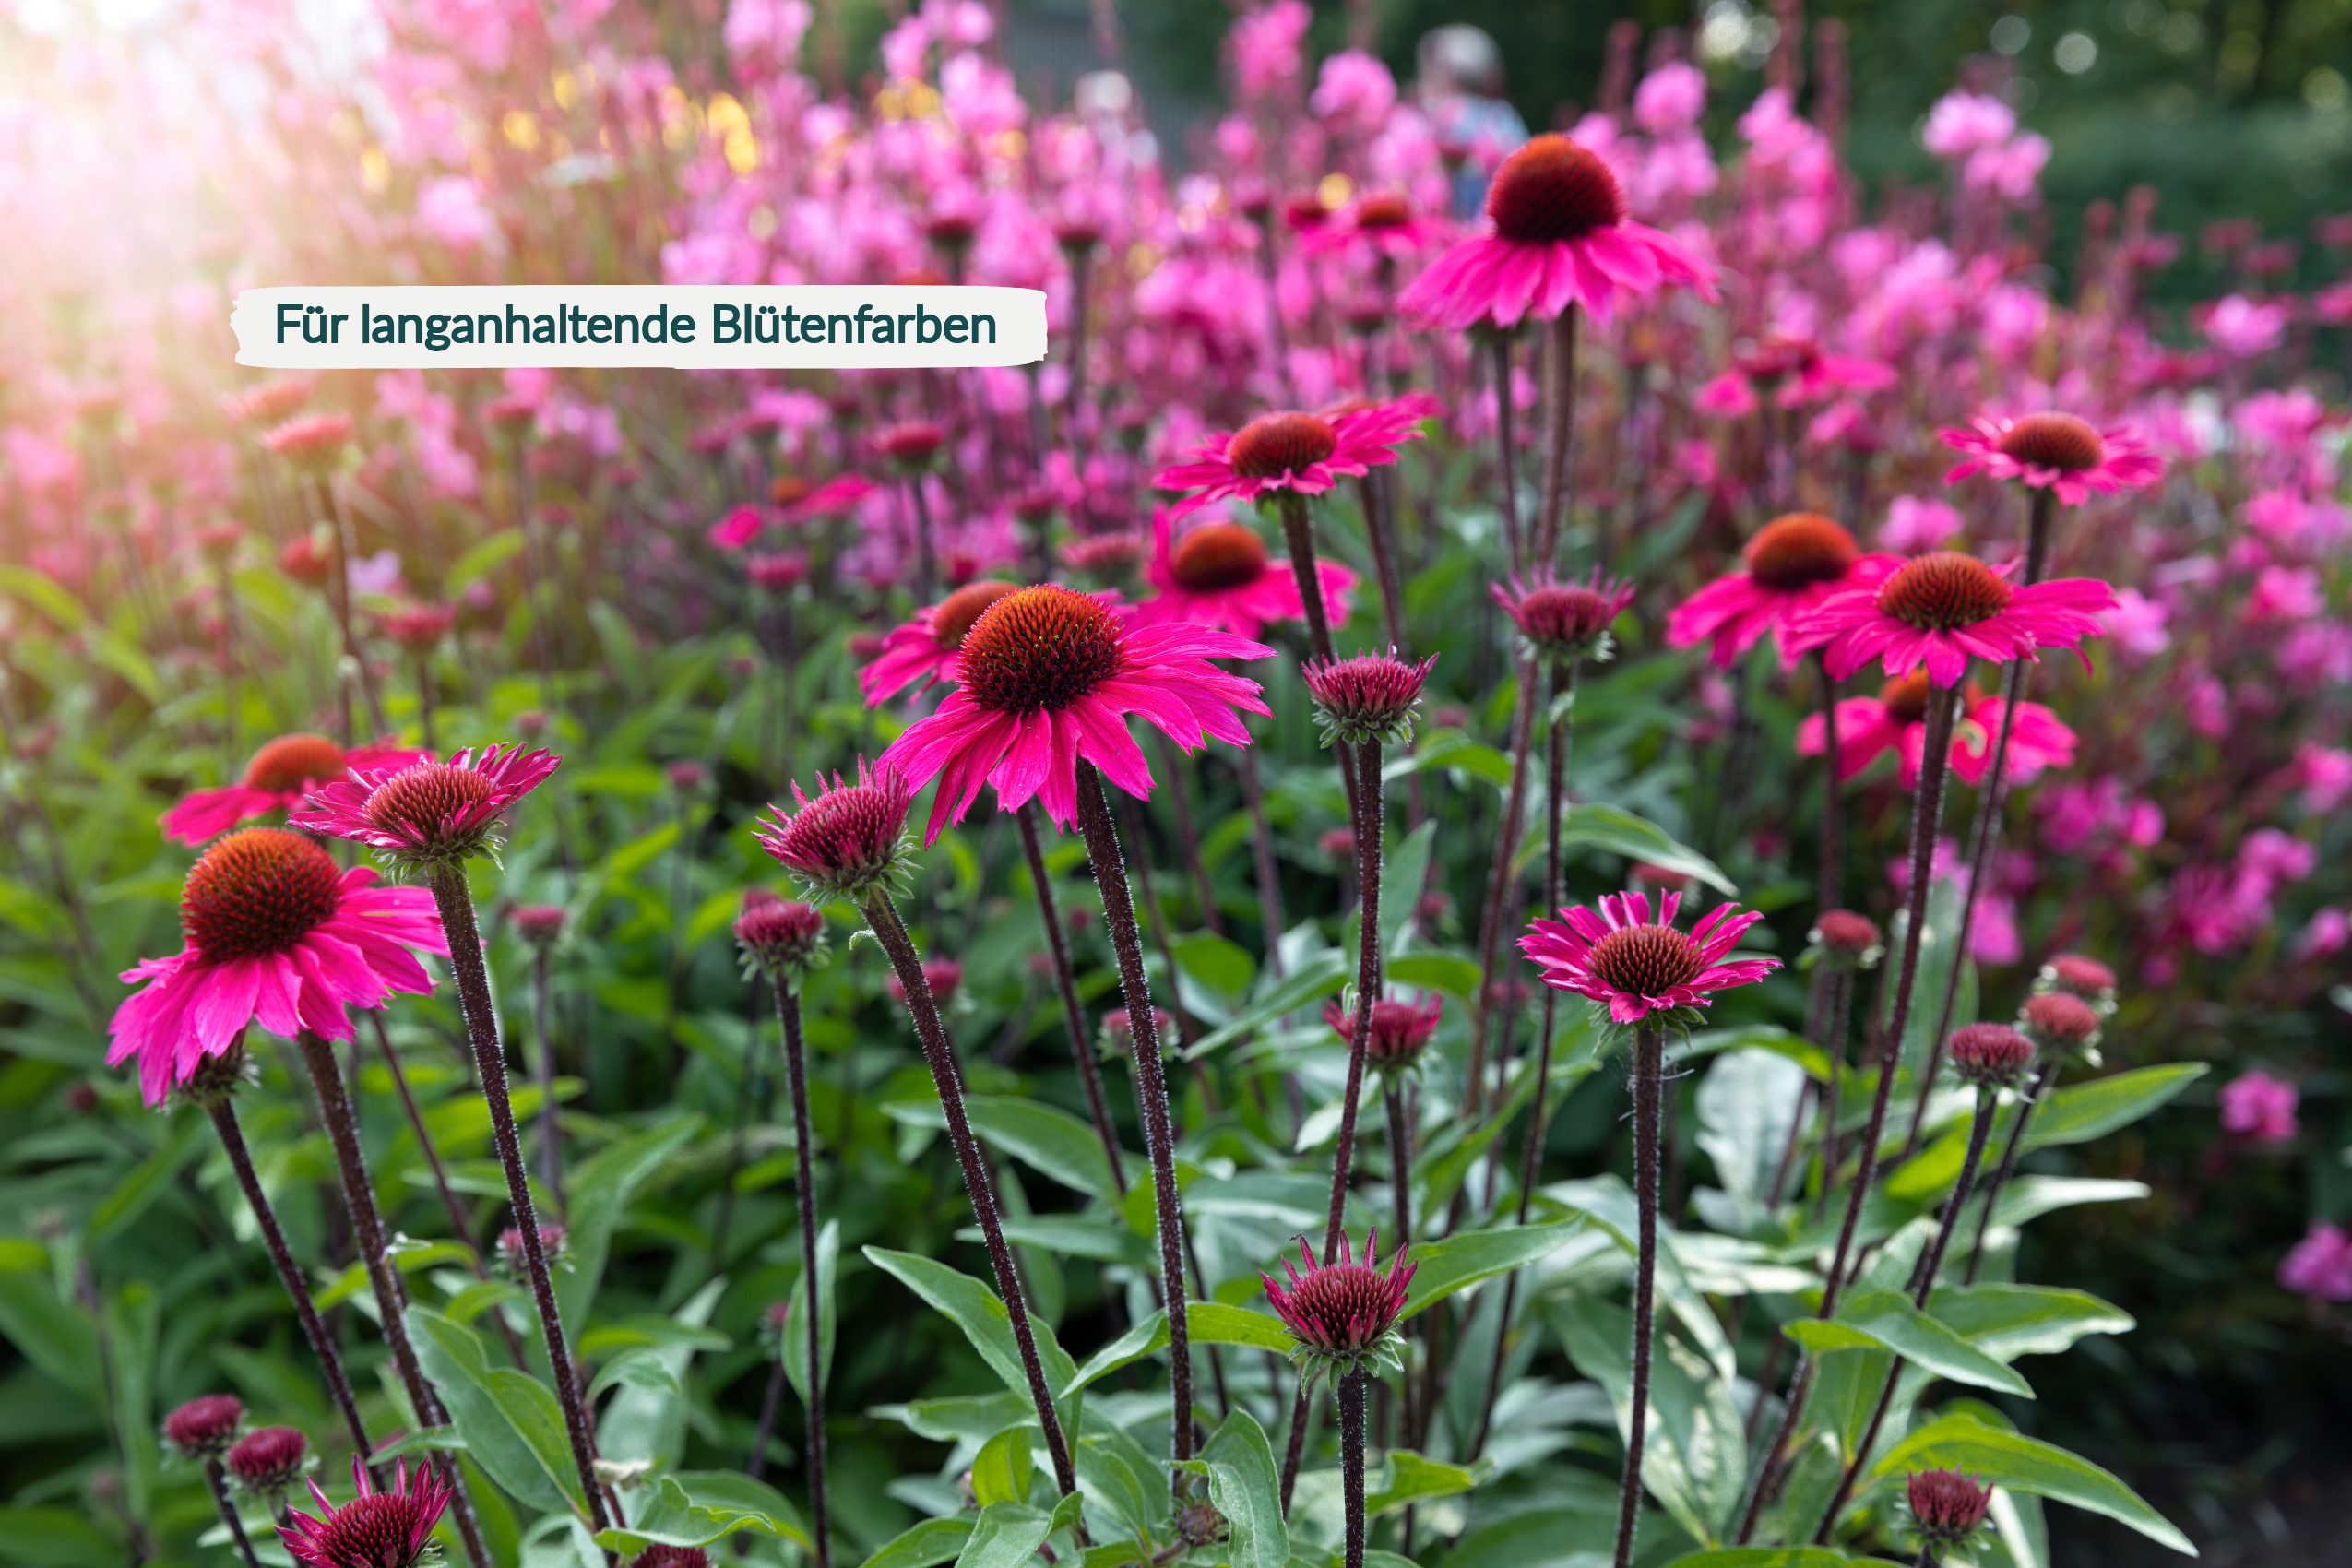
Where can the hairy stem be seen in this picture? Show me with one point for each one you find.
(1507, 450)
(1352, 1462)
(455, 900)
(1561, 409)
(796, 1073)
(1368, 845)
(219, 1484)
(882, 917)
(1649, 1073)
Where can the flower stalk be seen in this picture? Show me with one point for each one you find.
(796, 1073)
(1649, 1078)
(1352, 1462)
(217, 1482)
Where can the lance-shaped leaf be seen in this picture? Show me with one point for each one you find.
(1886, 1320)
(2012, 1459)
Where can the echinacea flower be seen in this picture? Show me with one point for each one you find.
(428, 811)
(205, 1427)
(2255, 1105)
(2320, 1265)
(2057, 1021)
(1366, 699)
(1991, 1056)
(1946, 1507)
(1615, 954)
(1557, 235)
(1044, 681)
(1895, 720)
(1848, 940)
(1941, 609)
(1400, 1030)
(780, 938)
(1342, 1316)
(276, 934)
(667, 1556)
(941, 978)
(921, 649)
(1220, 575)
(1794, 563)
(1793, 372)
(312, 442)
(269, 1460)
(1306, 454)
(849, 842)
(1561, 620)
(2054, 452)
(1378, 223)
(280, 775)
(2077, 974)
(375, 1529)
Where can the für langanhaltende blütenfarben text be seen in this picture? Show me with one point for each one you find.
(729, 324)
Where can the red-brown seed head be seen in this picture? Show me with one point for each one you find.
(2083, 977)
(1553, 189)
(1277, 446)
(847, 842)
(1942, 591)
(1946, 1507)
(672, 1557)
(420, 799)
(1799, 549)
(913, 442)
(783, 939)
(269, 1460)
(290, 762)
(538, 924)
(1039, 649)
(257, 891)
(1905, 697)
(203, 1429)
(1367, 698)
(952, 622)
(1389, 210)
(1847, 936)
(2062, 1022)
(1646, 960)
(1990, 1055)
(1218, 556)
(2054, 441)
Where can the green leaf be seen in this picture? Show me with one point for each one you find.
(510, 1423)
(55, 1537)
(1415, 1478)
(1773, 1557)
(697, 1507)
(1219, 963)
(1456, 1263)
(1319, 977)
(42, 592)
(1006, 1535)
(1448, 972)
(1045, 1137)
(1621, 833)
(58, 1338)
(1401, 880)
(2079, 1112)
(1244, 1486)
(927, 1545)
(1695, 1460)
(1002, 1470)
(480, 561)
(2010, 1460)
(1449, 749)
(2009, 1321)
(1207, 1323)
(796, 1333)
(600, 1193)
(1887, 1320)
(147, 1180)
(974, 1308)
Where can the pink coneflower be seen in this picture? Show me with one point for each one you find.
(2077, 974)
(778, 573)
(1617, 955)
(1368, 698)
(2054, 452)
(830, 499)
(1941, 609)
(1400, 1030)
(271, 401)
(278, 935)
(375, 1529)
(1558, 236)
(427, 811)
(1848, 939)
(913, 444)
(1895, 720)
(1341, 1315)
(311, 443)
(672, 1557)
(1117, 1036)
(303, 561)
(850, 840)
(2057, 1021)
(539, 924)
(552, 1240)
(1792, 372)
(280, 775)
(1045, 680)
(1946, 1507)
(205, 1427)
(1303, 453)
(778, 937)
(922, 649)
(1382, 223)
(1108, 559)
(269, 1460)
(1564, 620)
(418, 627)
(2255, 1105)
(1990, 1055)
(1220, 575)
(1794, 563)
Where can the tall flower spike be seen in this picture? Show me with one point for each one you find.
(428, 812)
(1564, 620)
(277, 934)
(1342, 1316)
(1615, 954)
(1557, 235)
(1941, 609)
(1304, 453)
(850, 840)
(1369, 698)
(375, 1529)
(2054, 452)
(1045, 680)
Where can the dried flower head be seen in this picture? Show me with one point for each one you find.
(1367, 699)
(850, 840)
(375, 1529)
(267, 1461)
(204, 1428)
(780, 939)
(1946, 1507)
(1991, 1056)
(1342, 1316)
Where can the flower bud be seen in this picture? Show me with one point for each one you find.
(203, 1429)
(1990, 1055)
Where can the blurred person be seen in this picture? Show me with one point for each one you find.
(1460, 88)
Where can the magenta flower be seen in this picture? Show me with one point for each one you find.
(1367, 698)
(1946, 1507)
(780, 938)
(1400, 1030)
(1794, 563)
(1380, 224)
(1220, 575)
(2055, 452)
(921, 649)
(280, 775)
(1303, 453)
(850, 840)
(205, 1427)
(375, 1529)
(1564, 620)
(1558, 236)
(2320, 1265)
(1990, 1055)
(1941, 609)
(1792, 372)
(1614, 954)
(278, 935)
(1342, 1315)
(1895, 720)
(269, 1460)
(2255, 1105)
(1045, 680)
(427, 811)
